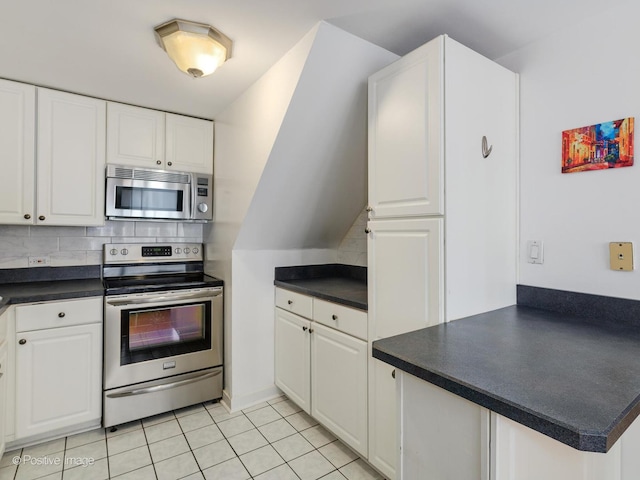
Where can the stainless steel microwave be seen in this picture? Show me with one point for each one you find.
(136, 193)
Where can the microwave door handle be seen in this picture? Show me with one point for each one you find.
(162, 299)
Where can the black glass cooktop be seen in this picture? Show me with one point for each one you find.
(153, 283)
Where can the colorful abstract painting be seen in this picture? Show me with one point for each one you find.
(596, 147)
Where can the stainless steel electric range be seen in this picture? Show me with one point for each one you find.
(162, 330)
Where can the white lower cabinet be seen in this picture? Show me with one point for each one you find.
(58, 362)
(444, 436)
(339, 385)
(293, 358)
(382, 417)
(3, 395)
(323, 369)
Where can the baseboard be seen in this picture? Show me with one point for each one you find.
(236, 402)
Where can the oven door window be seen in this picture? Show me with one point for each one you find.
(151, 333)
(149, 199)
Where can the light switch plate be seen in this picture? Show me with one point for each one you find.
(535, 252)
(621, 256)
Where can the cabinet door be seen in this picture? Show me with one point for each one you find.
(189, 144)
(442, 435)
(71, 153)
(58, 378)
(135, 136)
(3, 395)
(292, 358)
(339, 385)
(405, 276)
(406, 135)
(17, 152)
(382, 418)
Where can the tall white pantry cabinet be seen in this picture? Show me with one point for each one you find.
(442, 218)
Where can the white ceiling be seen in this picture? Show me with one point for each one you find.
(106, 48)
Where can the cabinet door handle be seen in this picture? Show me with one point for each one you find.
(369, 208)
(27, 216)
(311, 330)
(158, 162)
(169, 163)
(290, 302)
(61, 314)
(393, 374)
(22, 341)
(41, 217)
(334, 317)
(367, 230)
(304, 329)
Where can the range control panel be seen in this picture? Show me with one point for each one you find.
(145, 253)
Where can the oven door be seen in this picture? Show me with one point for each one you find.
(127, 198)
(154, 335)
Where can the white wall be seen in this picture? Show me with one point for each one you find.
(584, 75)
(290, 168)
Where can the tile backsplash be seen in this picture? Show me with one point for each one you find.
(67, 246)
(353, 248)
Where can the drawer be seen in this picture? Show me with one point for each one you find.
(346, 319)
(294, 302)
(58, 314)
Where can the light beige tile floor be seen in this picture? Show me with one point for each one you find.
(270, 441)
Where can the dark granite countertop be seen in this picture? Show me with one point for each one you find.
(343, 284)
(49, 283)
(575, 379)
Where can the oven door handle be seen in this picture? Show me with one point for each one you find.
(163, 299)
(164, 386)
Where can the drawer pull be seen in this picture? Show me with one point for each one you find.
(61, 314)
(290, 302)
(27, 216)
(22, 341)
(393, 374)
(41, 218)
(334, 317)
(311, 330)
(304, 329)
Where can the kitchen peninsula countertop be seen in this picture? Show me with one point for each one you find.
(343, 284)
(28, 285)
(570, 369)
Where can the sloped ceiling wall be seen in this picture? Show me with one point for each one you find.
(314, 182)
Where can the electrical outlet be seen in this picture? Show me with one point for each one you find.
(41, 261)
(621, 256)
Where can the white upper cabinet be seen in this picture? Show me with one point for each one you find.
(149, 138)
(135, 136)
(17, 152)
(405, 135)
(189, 144)
(71, 159)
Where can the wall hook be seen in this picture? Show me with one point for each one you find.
(486, 151)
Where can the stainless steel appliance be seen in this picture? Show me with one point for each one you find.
(134, 193)
(162, 330)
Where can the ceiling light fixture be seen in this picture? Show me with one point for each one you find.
(196, 48)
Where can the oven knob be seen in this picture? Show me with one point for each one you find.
(195, 251)
(113, 251)
(124, 251)
(178, 251)
(187, 251)
(203, 207)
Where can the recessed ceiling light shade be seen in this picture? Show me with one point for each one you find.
(196, 48)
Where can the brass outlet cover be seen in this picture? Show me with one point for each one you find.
(621, 256)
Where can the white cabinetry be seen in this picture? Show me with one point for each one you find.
(58, 367)
(323, 369)
(71, 159)
(17, 151)
(4, 378)
(67, 187)
(442, 229)
(149, 138)
(450, 439)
